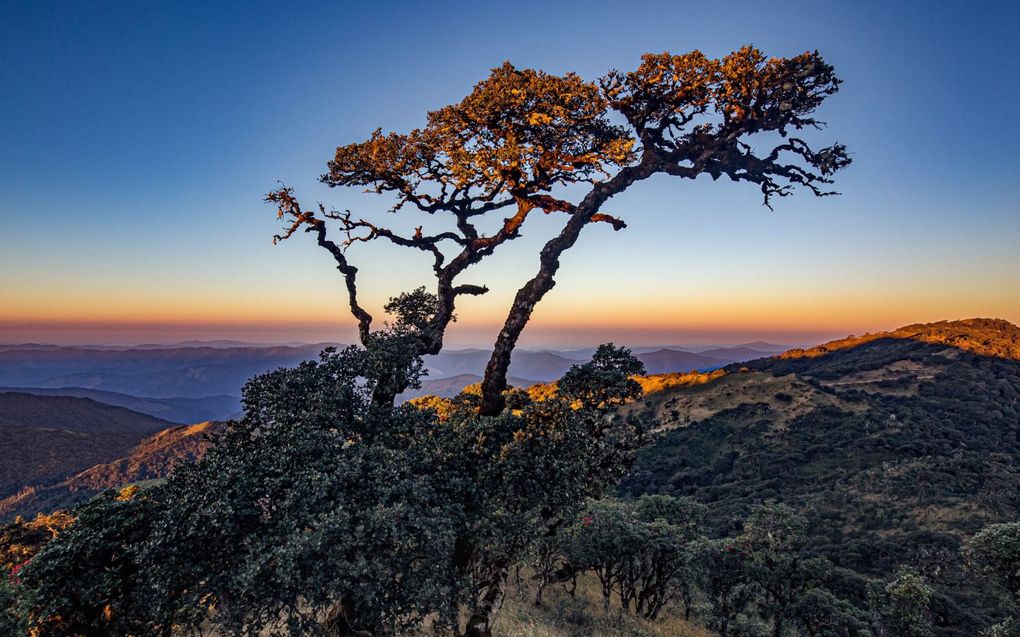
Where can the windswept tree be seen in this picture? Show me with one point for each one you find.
(523, 139)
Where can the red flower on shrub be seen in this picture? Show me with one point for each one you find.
(13, 575)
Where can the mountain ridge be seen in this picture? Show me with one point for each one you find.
(154, 457)
(53, 436)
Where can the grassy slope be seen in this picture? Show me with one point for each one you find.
(152, 459)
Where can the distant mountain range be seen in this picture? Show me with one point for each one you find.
(67, 410)
(189, 372)
(895, 446)
(176, 410)
(194, 382)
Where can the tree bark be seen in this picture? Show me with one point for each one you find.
(494, 381)
(483, 616)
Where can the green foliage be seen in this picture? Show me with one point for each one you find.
(900, 606)
(721, 571)
(899, 471)
(317, 505)
(1008, 628)
(605, 381)
(995, 553)
(90, 580)
(11, 620)
(774, 535)
(605, 540)
(649, 552)
(324, 511)
(637, 549)
(819, 613)
(412, 311)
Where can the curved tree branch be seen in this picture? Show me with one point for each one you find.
(288, 206)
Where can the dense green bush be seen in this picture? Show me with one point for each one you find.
(324, 511)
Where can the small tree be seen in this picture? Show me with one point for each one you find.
(11, 621)
(636, 548)
(899, 607)
(994, 553)
(671, 524)
(775, 534)
(721, 571)
(603, 541)
(819, 613)
(521, 136)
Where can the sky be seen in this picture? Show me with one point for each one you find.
(137, 140)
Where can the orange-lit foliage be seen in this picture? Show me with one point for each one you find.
(649, 384)
(442, 406)
(518, 131)
(21, 539)
(661, 382)
(546, 391)
(985, 337)
(521, 135)
(127, 492)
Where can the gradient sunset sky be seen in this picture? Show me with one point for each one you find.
(137, 140)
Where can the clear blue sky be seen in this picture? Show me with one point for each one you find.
(137, 139)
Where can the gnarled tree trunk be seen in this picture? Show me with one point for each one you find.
(494, 382)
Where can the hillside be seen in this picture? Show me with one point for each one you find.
(153, 458)
(177, 410)
(895, 445)
(51, 437)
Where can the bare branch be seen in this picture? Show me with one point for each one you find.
(288, 206)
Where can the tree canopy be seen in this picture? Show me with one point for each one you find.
(521, 136)
(324, 512)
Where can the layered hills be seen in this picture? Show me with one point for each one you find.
(153, 458)
(895, 446)
(47, 438)
(194, 382)
(176, 410)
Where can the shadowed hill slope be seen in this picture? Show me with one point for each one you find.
(47, 438)
(177, 410)
(153, 458)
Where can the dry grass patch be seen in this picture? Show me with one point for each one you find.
(563, 615)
